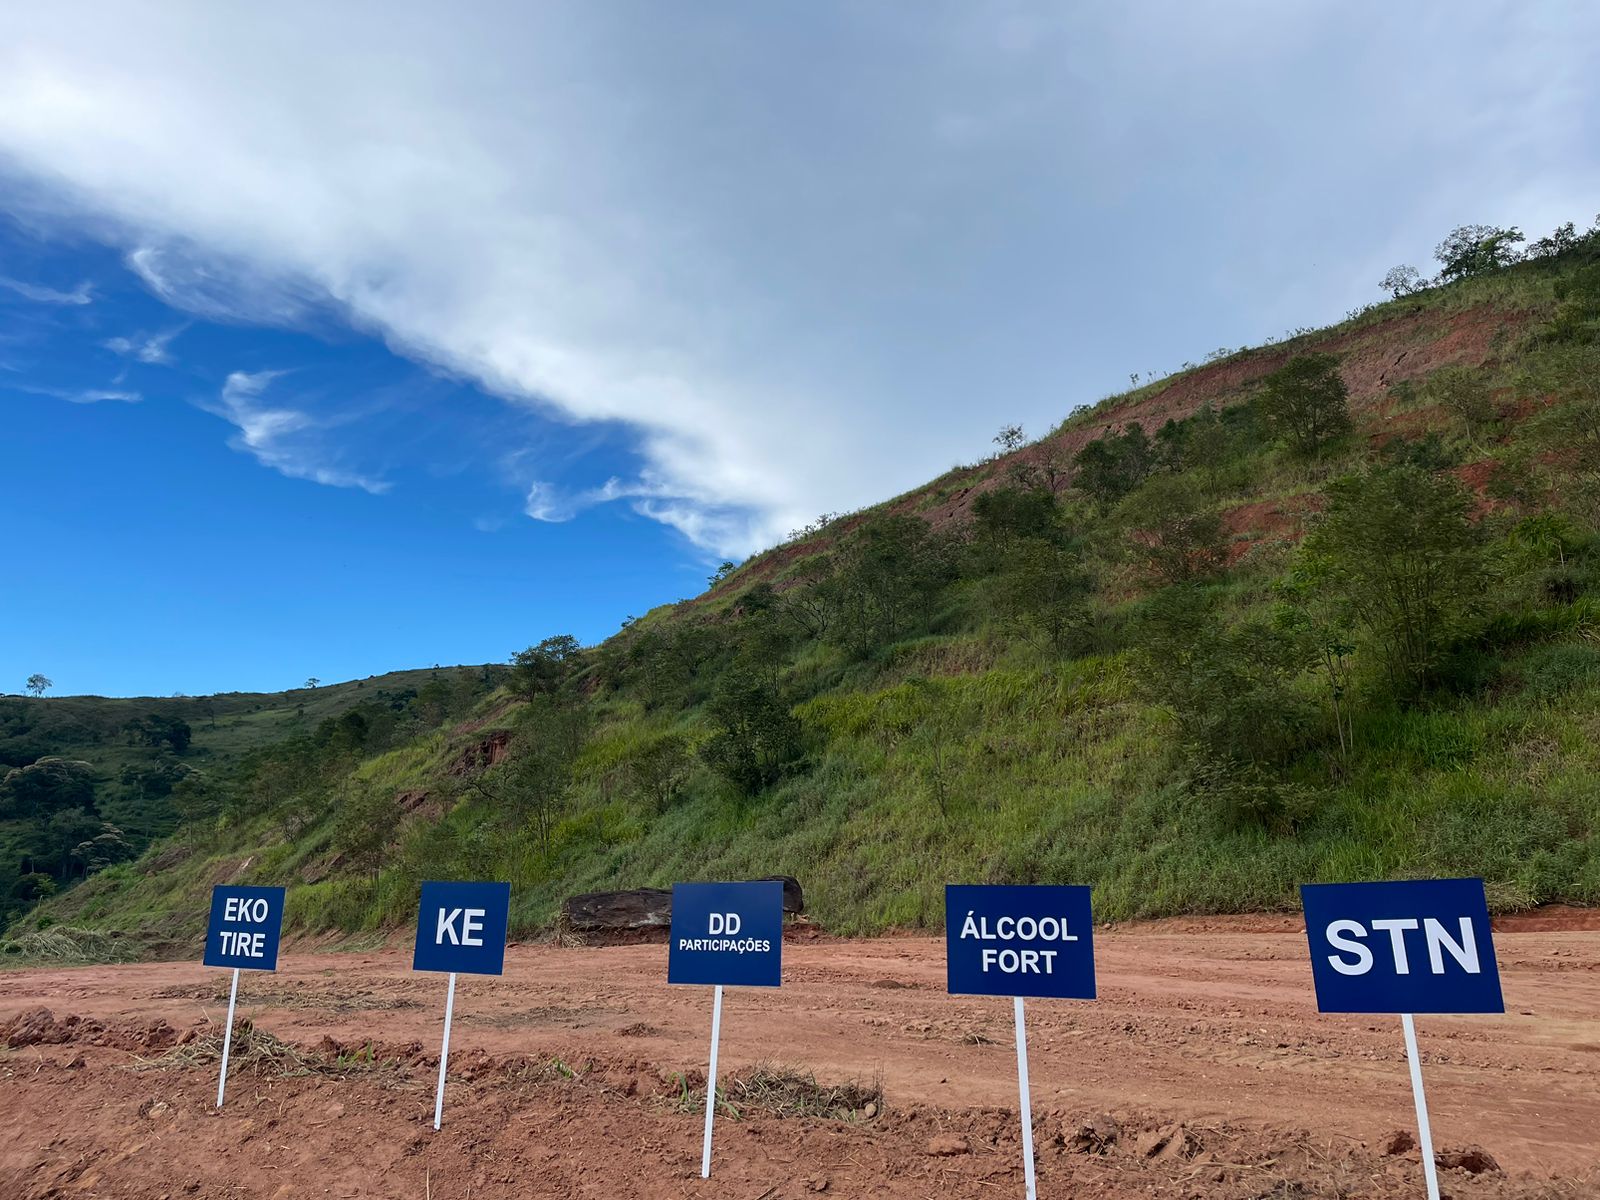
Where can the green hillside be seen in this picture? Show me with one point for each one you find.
(88, 782)
(1324, 609)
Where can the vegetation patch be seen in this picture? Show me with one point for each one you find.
(773, 1090)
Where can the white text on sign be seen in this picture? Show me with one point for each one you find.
(250, 945)
(724, 926)
(237, 908)
(244, 910)
(1023, 929)
(471, 924)
(1436, 937)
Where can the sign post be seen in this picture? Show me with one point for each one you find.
(243, 933)
(1020, 940)
(461, 927)
(725, 933)
(1362, 961)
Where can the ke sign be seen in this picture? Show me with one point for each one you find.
(462, 927)
(729, 933)
(1019, 940)
(1415, 947)
(246, 923)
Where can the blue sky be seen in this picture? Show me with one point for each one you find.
(335, 339)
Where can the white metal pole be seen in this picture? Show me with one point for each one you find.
(711, 1081)
(227, 1037)
(1424, 1131)
(444, 1054)
(1027, 1101)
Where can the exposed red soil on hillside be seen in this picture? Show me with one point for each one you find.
(1203, 1070)
(1373, 358)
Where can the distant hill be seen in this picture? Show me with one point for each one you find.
(1323, 609)
(120, 759)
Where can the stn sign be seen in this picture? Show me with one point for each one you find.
(462, 927)
(1019, 940)
(1421, 946)
(730, 933)
(246, 923)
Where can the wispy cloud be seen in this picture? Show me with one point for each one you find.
(546, 503)
(83, 395)
(93, 396)
(146, 348)
(287, 440)
(219, 287)
(82, 294)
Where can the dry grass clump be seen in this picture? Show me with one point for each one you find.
(773, 1090)
(60, 944)
(257, 1052)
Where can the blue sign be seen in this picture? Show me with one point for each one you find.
(462, 927)
(1421, 946)
(246, 923)
(1019, 940)
(727, 933)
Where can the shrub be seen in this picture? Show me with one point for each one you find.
(756, 737)
(1397, 546)
(1306, 403)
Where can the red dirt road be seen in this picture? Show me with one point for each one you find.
(1200, 1024)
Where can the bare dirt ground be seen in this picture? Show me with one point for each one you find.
(1203, 1070)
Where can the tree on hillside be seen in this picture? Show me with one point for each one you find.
(756, 737)
(1008, 515)
(1398, 546)
(1230, 691)
(1577, 315)
(1305, 402)
(1402, 281)
(154, 729)
(658, 769)
(39, 684)
(46, 786)
(1464, 393)
(312, 682)
(544, 668)
(1045, 468)
(367, 821)
(1009, 438)
(529, 788)
(1110, 467)
(1041, 592)
(1175, 530)
(887, 577)
(195, 799)
(1475, 250)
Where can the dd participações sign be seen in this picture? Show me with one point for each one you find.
(1019, 940)
(1420, 946)
(728, 933)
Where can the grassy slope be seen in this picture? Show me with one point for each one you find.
(225, 728)
(962, 756)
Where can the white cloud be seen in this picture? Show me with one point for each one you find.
(804, 290)
(284, 439)
(82, 294)
(94, 396)
(146, 348)
(545, 503)
(84, 395)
